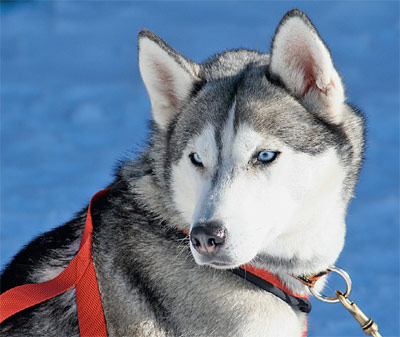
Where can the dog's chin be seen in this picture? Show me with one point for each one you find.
(223, 265)
(218, 263)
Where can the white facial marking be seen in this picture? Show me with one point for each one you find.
(190, 183)
(318, 224)
(285, 209)
(289, 208)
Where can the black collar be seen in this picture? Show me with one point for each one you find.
(301, 303)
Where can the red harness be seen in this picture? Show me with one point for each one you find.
(80, 273)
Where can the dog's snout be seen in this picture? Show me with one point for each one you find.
(208, 238)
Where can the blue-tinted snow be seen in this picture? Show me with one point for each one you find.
(72, 104)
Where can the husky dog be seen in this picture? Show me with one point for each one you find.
(255, 155)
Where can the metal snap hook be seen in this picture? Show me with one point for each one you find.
(334, 299)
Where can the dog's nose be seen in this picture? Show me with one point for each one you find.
(208, 237)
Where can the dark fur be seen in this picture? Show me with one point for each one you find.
(142, 261)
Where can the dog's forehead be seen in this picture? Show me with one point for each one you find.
(210, 106)
(259, 104)
(273, 112)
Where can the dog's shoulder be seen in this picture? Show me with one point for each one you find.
(45, 256)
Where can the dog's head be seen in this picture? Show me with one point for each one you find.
(260, 153)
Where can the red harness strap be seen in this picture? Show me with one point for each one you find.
(271, 278)
(79, 273)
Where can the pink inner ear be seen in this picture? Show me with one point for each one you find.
(301, 60)
(309, 79)
(310, 83)
(302, 63)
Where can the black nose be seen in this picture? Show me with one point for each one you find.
(207, 238)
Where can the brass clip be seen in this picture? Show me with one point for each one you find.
(367, 324)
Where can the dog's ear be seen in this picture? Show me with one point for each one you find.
(168, 76)
(302, 62)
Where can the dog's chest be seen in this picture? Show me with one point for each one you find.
(162, 292)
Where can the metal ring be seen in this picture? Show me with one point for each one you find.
(329, 299)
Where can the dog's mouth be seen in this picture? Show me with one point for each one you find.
(218, 262)
(222, 265)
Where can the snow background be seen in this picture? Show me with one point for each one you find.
(73, 103)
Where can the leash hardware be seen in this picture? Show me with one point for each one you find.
(335, 299)
(367, 324)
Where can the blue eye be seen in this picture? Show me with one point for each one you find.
(195, 159)
(266, 156)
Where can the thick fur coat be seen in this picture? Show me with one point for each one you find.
(264, 146)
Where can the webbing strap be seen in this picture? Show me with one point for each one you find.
(79, 273)
(265, 280)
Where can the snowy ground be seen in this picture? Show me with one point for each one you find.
(72, 104)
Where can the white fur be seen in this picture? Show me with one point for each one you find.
(291, 208)
(189, 183)
(317, 214)
(302, 61)
(167, 82)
